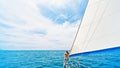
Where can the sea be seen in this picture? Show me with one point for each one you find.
(54, 59)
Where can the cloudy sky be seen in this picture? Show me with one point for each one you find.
(39, 24)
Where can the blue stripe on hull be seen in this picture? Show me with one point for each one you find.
(103, 50)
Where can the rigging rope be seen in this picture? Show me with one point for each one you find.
(78, 28)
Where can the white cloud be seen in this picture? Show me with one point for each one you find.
(24, 16)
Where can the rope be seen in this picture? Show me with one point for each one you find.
(78, 29)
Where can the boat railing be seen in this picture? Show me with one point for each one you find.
(76, 64)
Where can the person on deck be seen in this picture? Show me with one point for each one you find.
(66, 59)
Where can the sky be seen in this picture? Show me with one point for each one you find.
(39, 24)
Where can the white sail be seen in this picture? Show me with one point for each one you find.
(100, 27)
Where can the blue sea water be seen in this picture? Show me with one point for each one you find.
(54, 59)
(31, 59)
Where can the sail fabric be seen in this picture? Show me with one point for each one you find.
(100, 27)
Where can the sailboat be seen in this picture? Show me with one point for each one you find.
(99, 28)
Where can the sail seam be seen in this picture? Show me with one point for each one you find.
(90, 26)
(97, 25)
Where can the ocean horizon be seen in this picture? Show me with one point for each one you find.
(54, 59)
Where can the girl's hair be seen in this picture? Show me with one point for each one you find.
(67, 52)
